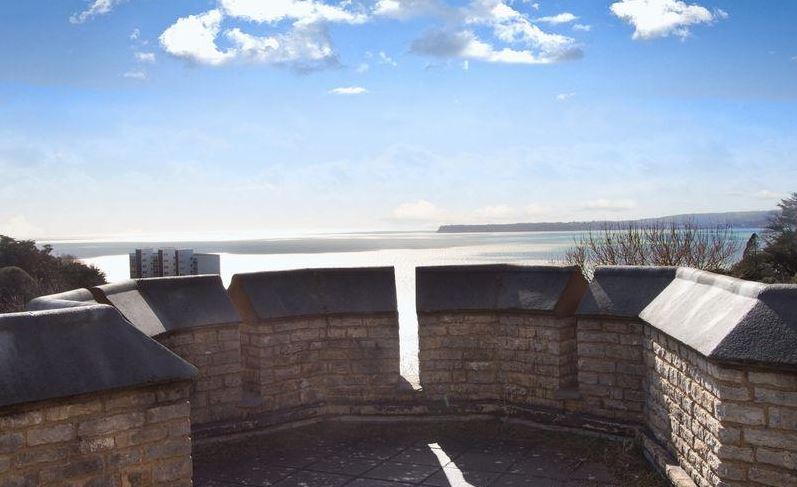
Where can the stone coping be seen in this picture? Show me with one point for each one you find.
(68, 299)
(728, 319)
(165, 304)
(314, 292)
(624, 291)
(69, 352)
(511, 288)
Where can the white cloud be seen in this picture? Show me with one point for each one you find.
(495, 213)
(609, 205)
(96, 7)
(194, 38)
(362, 68)
(19, 227)
(304, 48)
(465, 65)
(565, 96)
(385, 59)
(465, 44)
(766, 194)
(582, 27)
(794, 58)
(348, 90)
(562, 18)
(300, 11)
(145, 57)
(136, 74)
(404, 9)
(536, 210)
(135, 34)
(420, 211)
(661, 18)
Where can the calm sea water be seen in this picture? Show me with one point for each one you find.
(402, 250)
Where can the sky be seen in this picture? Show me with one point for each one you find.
(246, 117)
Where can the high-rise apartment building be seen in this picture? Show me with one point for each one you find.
(169, 261)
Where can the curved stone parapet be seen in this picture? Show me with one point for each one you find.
(319, 341)
(166, 304)
(68, 299)
(506, 288)
(314, 292)
(498, 334)
(727, 319)
(194, 317)
(624, 291)
(80, 350)
(609, 337)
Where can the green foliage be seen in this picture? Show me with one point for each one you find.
(777, 261)
(29, 271)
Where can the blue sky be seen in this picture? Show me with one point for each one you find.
(246, 117)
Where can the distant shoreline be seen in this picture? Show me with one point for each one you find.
(734, 219)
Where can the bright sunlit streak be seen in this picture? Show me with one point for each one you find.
(452, 472)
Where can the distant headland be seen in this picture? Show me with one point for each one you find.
(733, 219)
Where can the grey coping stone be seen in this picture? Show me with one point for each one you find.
(72, 351)
(547, 289)
(163, 304)
(624, 291)
(314, 292)
(68, 299)
(728, 319)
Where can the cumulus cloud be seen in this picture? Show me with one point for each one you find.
(348, 90)
(95, 8)
(420, 211)
(609, 204)
(562, 18)
(464, 44)
(564, 96)
(303, 48)
(300, 11)
(145, 57)
(509, 36)
(404, 9)
(582, 27)
(136, 74)
(194, 38)
(662, 18)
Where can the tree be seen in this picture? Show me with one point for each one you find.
(657, 244)
(47, 272)
(777, 261)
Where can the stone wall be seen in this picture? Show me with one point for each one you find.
(216, 352)
(610, 335)
(611, 370)
(132, 437)
(702, 368)
(498, 334)
(86, 399)
(721, 356)
(194, 317)
(318, 339)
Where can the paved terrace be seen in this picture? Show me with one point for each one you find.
(459, 454)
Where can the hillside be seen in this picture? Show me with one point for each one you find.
(734, 219)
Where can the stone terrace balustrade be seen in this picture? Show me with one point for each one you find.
(498, 335)
(701, 369)
(320, 341)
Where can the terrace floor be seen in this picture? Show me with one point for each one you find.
(458, 454)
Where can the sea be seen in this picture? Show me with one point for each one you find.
(402, 250)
